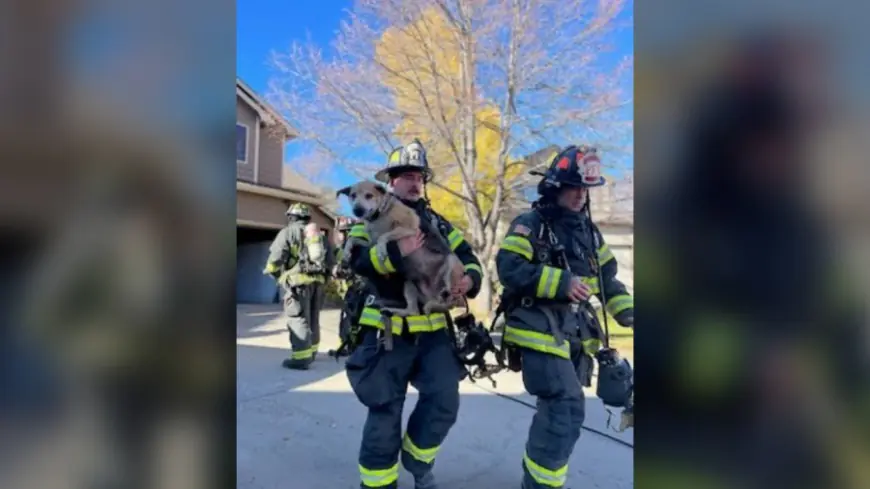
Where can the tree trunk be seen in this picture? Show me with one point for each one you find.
(485, 296)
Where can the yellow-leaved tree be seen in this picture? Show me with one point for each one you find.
(486, 143)
(424, 65)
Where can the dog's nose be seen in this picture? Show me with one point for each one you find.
(358, 211)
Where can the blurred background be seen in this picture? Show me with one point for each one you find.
(751, 261)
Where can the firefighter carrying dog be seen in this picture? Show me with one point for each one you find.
(422, 353)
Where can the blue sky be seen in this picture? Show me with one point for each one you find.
(266, 25)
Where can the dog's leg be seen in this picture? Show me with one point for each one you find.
(440, 297)
(412, 296)
(449, 274)
(395, 234)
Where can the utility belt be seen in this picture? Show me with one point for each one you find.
(401, 325)
(376, 315)
(296, 278)
(309, 268)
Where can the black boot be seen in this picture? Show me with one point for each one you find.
(427, 481)
(292, 364)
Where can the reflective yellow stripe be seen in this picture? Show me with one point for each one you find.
(271, 268)
(548, 284)
(619, 303)
(455, 239)
(416, 324)
(359, 231)
(518, 245)
(291, 278)
(379, 478)
(592, 282)
(591, 346)
(383, 267)
(547, 477)
(604, 254)
(425, 455)
(536, 341)
(303, 354)
(475, 267)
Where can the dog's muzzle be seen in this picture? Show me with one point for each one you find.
(358, 211)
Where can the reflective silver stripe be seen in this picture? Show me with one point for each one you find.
(548, 284)
(416, 324)
(604, 254)
(379, 478)
(425, 455)
(619, 303)
(536, 341)
(552, 478)
(455, 238)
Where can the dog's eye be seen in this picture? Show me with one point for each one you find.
(353, 195)
(369, 196)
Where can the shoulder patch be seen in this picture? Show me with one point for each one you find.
(521, 230)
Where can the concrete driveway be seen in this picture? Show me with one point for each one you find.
(301, 429)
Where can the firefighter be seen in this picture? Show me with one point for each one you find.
(549, 265)
(297, 259)
(351, 289)
(422, 349)
(342, 269)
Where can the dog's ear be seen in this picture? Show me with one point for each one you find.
(380, 188)
(343, 191)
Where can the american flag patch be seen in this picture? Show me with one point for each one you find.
(522, 230)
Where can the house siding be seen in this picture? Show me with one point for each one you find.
(247, 116)
(269, 210)
(271, 159)
(620, 240)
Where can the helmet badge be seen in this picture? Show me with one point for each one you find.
(589, 167)
(414, 154)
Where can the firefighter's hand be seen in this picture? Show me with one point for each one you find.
(464, 285)
(579, 292)
(411, 243)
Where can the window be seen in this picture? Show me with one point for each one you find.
(241, 143)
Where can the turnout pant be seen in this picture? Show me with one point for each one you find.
(299, 305)
(556, 425)
(380, 381)
(318, 296)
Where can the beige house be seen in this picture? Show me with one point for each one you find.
(265, 187)
(613, 212)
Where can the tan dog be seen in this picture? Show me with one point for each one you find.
(432, 270)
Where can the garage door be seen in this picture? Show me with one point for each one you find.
(252, 287)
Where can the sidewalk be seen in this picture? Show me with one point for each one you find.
(301, 429)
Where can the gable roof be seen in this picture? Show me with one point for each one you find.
(266, 112)
(296, 182)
